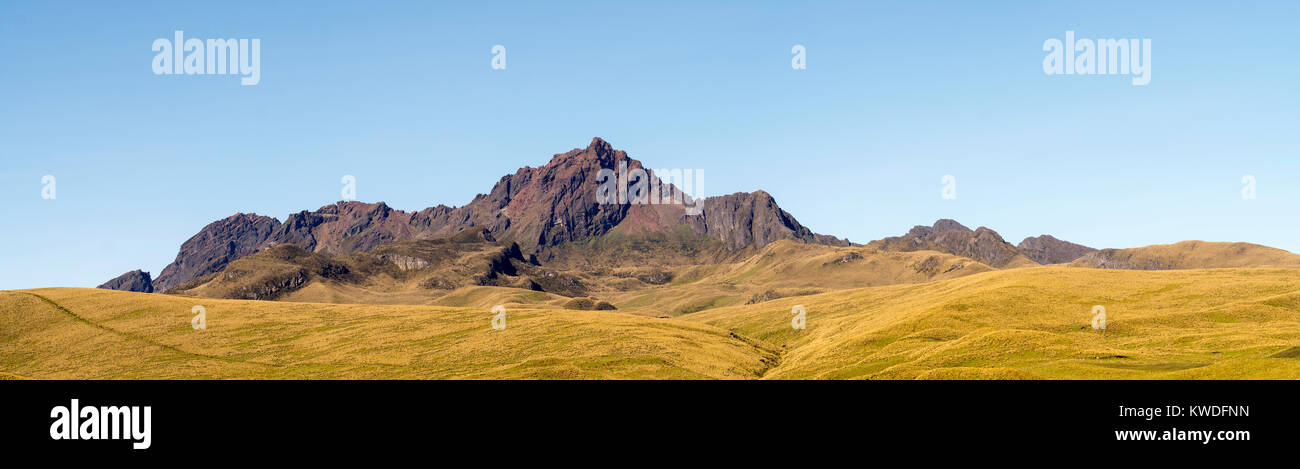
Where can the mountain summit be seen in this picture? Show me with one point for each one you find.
(981, 244)
(1046, 249)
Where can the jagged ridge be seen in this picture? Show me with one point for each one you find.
(534, 207)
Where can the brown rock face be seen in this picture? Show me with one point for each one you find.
(534, 207)
(751, 219)
(346, 227)
(216, 245)
(135, 280)
(555, 203)
(1046, 249)
(982, 244)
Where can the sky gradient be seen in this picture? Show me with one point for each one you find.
(402, 96)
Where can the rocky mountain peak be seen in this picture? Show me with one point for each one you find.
(750, 219)
(135, 280)
(982, 244)
(1046, 249)
(945, 224)
(597, 155)
(599, 145)
(216, 245)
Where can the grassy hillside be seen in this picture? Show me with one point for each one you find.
(101, 334)
(1035, 323)
(639, 277)
(1020, 323)
(1190, 255)
(785, 269)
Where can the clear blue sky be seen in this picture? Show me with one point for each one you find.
(402, 95)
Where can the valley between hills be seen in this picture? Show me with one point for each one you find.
(358, 290)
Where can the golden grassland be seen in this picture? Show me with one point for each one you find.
(1035, 323)
(788, 269)
(1194, 255)
(80, 333)
(1004, 324)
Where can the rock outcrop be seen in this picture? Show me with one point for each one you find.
(216, 245)
(982, 244)
(751, 219)
(1046, 249)
(135, 280)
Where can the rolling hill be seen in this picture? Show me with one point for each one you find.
(1189, 255)
(1015, 323)
(70, 333)
(1035, 323)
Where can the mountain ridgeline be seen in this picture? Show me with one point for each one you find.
(535, 208)
(983, 245)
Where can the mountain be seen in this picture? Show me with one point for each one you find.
(135, 280)
(216, 245)
(752, 219)
(536, 208)
(982, 244)
(1046, 249)
(1189, 255)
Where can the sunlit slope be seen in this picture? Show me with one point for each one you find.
(1190, 255)
(1035, 323)
(481, 297)
(1019, 323)
(101, 334)
(787, 269)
